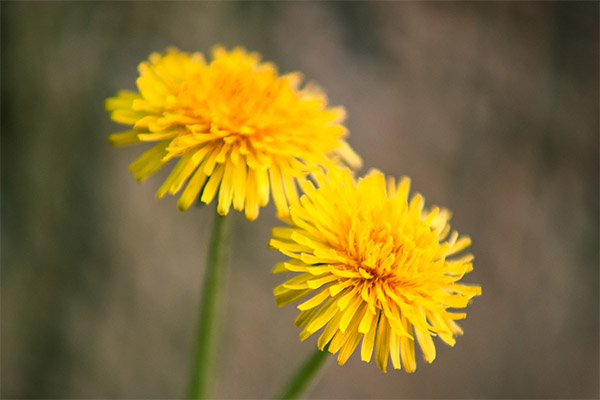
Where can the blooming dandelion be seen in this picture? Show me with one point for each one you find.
(239, 131)
(380, 268)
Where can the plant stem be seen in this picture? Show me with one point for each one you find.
(204, 363)
(305, 375)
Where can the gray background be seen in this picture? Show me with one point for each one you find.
(491, 108)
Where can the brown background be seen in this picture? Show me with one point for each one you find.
(491, 108)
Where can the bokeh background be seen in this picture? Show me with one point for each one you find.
(491, 108)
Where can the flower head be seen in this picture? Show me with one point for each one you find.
(236, 127)
(380, 269)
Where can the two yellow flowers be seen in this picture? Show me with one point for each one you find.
(380, 268)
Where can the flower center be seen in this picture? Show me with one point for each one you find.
(383, 247)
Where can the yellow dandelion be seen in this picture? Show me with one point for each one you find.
(381, 268)
(236, 127)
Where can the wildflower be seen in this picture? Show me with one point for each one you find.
(380, 267)
(235, 125)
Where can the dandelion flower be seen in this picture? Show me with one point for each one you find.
(381, 268)
(237, 128)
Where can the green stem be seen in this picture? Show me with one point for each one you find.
(204, 363)
(305, 375)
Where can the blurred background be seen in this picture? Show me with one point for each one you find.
(491, 108)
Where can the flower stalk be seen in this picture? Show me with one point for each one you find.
(304, 376)
(204, 363)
